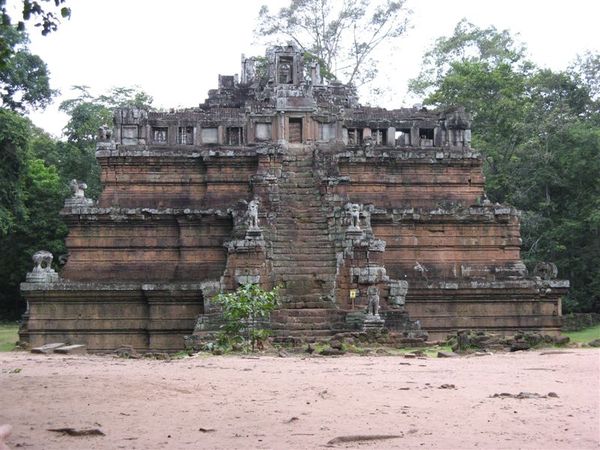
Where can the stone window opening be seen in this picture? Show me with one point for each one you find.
(233, 136)
(402, 137)
(159, 135)
(295, 130)
(379, 136)
(426, 133)
(284, 70)
(426, 136)
(185, 135)
(355, 136)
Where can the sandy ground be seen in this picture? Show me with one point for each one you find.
(303, 402)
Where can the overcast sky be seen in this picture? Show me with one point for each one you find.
(175, 49)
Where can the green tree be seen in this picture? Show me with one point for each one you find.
(45, 17)
(342, 36)
(245, 310)
(538, 131)
(24, 78)
(32, 196)
(13, 144)
(87, 113)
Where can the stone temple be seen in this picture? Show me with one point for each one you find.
(365, 217)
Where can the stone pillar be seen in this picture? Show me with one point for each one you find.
(391, 137)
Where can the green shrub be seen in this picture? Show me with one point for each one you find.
(245, 311)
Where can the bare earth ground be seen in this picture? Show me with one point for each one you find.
(296, 402)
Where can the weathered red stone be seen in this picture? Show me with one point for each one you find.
(360, 209)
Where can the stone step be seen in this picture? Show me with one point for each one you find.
(303, 160)
(301, 225)
(290, 221)
(296, 240)
(306, 226)
(306, 202)
(284, 249)
(303, 270)
(301, 246)
(301, 258)
(301, 334)
(296, 173)
(48, 348)
(288, 274)
(308, 315)
(307, 312)
(310, 322)
(299, 305)
(305, 275)
(76, 349)
(291, 179)
(305, 253)
(291, 237)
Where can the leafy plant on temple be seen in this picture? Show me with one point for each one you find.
(245, 311)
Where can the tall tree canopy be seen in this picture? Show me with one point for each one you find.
(45, 15)
(86, 114)
(31, 195)
(342, 35)
(539, 131)
(35, 170)
(24, 77)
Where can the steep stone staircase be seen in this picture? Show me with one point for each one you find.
(303, 257)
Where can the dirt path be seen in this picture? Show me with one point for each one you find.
(294, 402)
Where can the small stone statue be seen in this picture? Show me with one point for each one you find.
(78, 188)
(104, 133)
(42, 268)
(285, 74)
(78, 200)
(253, 214)
(545, 270)
(373, 299)
(354, 213)
(42, 261)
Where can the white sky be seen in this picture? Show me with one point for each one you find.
(175, 49)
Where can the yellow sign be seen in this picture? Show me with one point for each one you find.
(353, 293)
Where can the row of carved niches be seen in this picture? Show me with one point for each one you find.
(197, 134)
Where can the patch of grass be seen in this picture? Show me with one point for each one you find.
(352, 348)
(180, 355)
(8, 336)
(586, 335)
